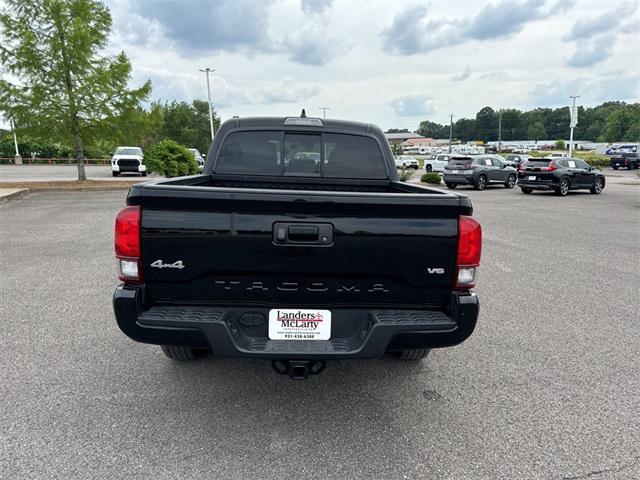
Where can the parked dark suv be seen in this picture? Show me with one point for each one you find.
(479, 171)
(516, 159)
(559, 175)
(626, 160)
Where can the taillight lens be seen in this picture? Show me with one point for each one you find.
(523, 167)
(127, 243)
(469, 251)
(550, 168)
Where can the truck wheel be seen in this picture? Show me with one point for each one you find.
(411, 354)
(563, 189)
(526, 190)
(451, 185)
(429, 168)
(182, 354)
(630, 166)
(115, 174)
(511, 181)
(144, 174)
(615, 167)
(597, 187)
(481, 183)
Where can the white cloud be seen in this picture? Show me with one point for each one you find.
(274, 57)
(413, 105)
(463, 75)
(591, 52)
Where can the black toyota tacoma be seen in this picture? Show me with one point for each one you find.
(293, 246)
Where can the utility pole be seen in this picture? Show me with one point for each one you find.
(17, 159)
(324, 111)
(207, 70)
(573, 112)
(450, 132)
(499, 130)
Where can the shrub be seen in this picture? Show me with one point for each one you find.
(406, 174)
(560, 145)
(430, 178)
(170, 159)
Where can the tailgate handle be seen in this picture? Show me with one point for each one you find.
(303, 233)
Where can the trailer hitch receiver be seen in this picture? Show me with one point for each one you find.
(298, 369)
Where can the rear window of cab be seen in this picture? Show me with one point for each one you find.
(275, 153)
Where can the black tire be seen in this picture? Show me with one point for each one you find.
(563, 188)
(526, 190)
(429, 168)
(144, 174)
(179, 353)
(511, 181)
(630, 167)
(115, 174)
(413, 355)
(481, 183)
(615, 167)
(452, 186)
(597, 186)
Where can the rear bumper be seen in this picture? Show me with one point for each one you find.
(537, 184)
(242, 331)
(459, 179)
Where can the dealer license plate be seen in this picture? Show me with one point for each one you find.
(531, 177)
(294, 324)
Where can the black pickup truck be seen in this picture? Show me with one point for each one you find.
(630, 161)
(297, 244)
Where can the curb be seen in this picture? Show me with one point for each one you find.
(12, 193)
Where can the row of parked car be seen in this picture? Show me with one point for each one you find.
(131, 160)
(555, 172)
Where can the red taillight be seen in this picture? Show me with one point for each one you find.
(550, 168)
(523, 167)
(469, 251)
(127, 243)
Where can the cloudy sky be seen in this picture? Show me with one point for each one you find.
(393, 63)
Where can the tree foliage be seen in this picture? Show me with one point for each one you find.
(609, 122)
(65, 90)
(170, 159)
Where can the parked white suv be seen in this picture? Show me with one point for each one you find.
(128, 159)
(406, 161)
(437, 163)
(199, 158)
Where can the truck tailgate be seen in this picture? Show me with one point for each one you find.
(218, 246)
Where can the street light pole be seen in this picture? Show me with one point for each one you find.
(499, 130)
(207, 70)
(17, 159)
(573, 122)
(450, 131)
(324, 111)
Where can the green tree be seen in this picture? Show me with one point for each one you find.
(188, 124)
(560, 145)
(617, 124)
(170, 159)
(65, 90)
(430, 129)
(487, 124)
(536, 131)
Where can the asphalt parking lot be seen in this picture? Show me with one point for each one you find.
(547, 387)
(47, 173)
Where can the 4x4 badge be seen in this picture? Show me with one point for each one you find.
(161, 264)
